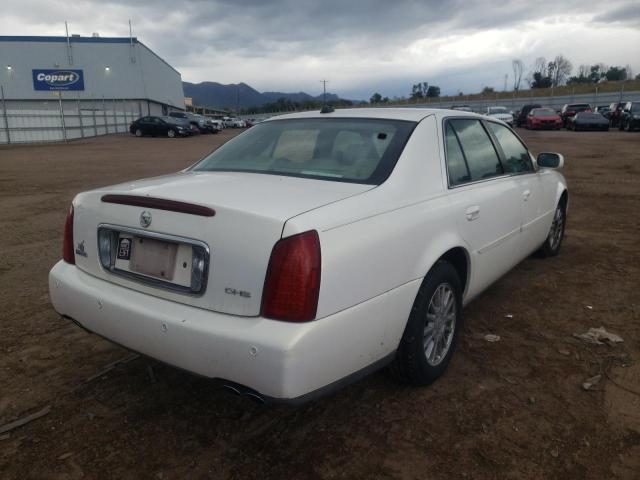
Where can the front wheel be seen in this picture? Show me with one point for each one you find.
(138, 132)
(171, 133)
(551, 245)
(431, 333)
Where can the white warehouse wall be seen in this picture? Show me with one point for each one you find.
(147, 76)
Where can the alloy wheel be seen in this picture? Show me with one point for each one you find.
(440, 324)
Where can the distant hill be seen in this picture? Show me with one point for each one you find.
(213, 94)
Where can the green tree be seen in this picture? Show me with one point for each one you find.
(616, 73)
(375, 98)
(433, 91)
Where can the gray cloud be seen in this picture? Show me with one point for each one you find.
(360, 43)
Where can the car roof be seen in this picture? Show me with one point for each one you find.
(396, 113)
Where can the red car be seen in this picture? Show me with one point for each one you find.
(544, 118)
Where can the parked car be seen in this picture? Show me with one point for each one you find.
(543, 118)
(614, 113)
(602, 110)
(158, 126)
(196, 120)
(587, 121)
(217, 124)
(521, 115)
(570, 109)
(233, 122)
(401, 217)
(461, 108)
(501, 113)
(630, 116)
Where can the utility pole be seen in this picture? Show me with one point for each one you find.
(506, 77)
(238, 99)
(324, 91)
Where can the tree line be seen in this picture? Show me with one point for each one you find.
(286, 105)
(419, 91)
(541, 74)
(558, 72)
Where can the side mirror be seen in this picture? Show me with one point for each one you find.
(550, 160)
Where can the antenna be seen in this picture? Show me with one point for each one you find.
(131, 56)
(69, 53)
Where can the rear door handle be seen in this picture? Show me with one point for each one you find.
(472, 213)
(526, 194)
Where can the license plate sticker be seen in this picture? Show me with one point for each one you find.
(124, 249)
(154, 258)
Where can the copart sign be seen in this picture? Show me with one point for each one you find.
(57, 79)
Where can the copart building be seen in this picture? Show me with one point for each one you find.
(62, 88)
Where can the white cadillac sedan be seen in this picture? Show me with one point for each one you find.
(313, 248)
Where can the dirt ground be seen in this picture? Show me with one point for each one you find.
(510, 409)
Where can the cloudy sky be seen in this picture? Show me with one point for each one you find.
(359, 46)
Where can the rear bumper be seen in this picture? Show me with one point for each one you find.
(278, 360)
(546, 126)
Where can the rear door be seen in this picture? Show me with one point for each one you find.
(485, 200)
(145, 125)
(536, 201)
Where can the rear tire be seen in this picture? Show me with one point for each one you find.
(551, 245)
(138, 132)
(171, 133)
(431, 333)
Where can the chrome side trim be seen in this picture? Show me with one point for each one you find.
(154, 282)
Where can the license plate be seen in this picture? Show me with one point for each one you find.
(154, 258)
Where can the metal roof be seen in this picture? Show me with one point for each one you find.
(72, 39)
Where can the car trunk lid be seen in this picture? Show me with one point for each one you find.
(237, 216)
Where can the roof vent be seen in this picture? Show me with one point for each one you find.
(327, 109)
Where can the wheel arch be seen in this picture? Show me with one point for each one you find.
(458, 257)
(453, 252)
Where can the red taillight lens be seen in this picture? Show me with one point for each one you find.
(292, 283)
(67, 245)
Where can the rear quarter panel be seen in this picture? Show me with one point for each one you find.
(387, 237)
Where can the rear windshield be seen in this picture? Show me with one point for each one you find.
(338, 149)
(579, 106)
(543, 112)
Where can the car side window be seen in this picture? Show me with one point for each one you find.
(480, 154)
(517, 159)
(456, 164)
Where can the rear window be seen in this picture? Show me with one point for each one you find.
(579, 107)
(543, 112)
(338, 149)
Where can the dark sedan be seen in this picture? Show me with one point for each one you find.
(571, 109)
(630, 117)
(521, 116)
(159, 126)
(587, 121)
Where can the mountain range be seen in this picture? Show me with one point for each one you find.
(217, 95)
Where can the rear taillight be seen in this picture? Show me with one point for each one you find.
(292, 284)
(67, 245)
